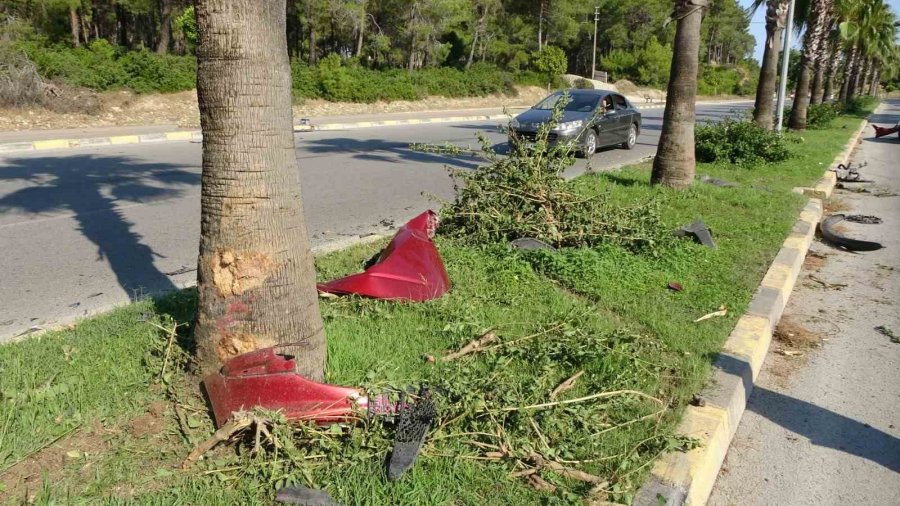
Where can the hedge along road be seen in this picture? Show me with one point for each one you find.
(87, 228)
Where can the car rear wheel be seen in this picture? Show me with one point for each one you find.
(631, 140)
(589, 145)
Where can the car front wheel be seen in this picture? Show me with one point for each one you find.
(631, 140)
(589, 146)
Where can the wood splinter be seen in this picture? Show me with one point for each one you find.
(474, 345)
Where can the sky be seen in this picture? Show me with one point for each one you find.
(758, 26)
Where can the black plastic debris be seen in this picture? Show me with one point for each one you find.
(850, 174)
(304, 496)
(415, 418)
(833, 236)
(698, 230)
(865, 219)
(716, 181)
(530, 243)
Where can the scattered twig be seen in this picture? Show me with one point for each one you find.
(238, 422)
(721, 312)
(172, 332)
(885, 331)
(566, 385)
(540, 484)
(474, 345)
(584, 399)
(825, 284)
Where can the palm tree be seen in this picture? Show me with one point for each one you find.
(868, 30)
(817, 23)
(675, 164)
(255, 277)
(776, 12)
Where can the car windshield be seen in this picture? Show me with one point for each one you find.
(576, 103)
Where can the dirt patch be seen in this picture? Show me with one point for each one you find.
(836, 205)
(792, 344)
(814, 261)
(23, 480)
(150, 424)
(122, 108)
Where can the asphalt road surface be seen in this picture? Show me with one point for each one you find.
(823, 428)
(84, 229)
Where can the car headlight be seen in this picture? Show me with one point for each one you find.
(514, 123)
(569, 125)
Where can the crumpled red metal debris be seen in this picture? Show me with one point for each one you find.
(263, 378)
(882, 131)
(410, 268)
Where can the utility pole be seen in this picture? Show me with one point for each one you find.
(785, 59)
(594, 54)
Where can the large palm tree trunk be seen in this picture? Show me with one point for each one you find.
(849, 64)
(817, 22)
(763, 107)
(830, 69)
(256, 278)
(675, 163)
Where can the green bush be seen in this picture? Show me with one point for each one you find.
(550, 61)
(820, 115)
(102, 66)
(739, 142)
(583, 84)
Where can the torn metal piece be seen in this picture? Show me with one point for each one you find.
(699, 231)
(530, 243)
(304, 496)
(716, 181)
(409, 268)
(266, 379)
(833, 236)
(415, 419)
(674, 286)
(882, 131)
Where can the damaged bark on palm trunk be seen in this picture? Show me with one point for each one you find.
(256, 279)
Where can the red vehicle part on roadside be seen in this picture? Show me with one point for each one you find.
(409, 268)
(882, 131)
(264, 378)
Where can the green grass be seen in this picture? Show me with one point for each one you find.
(76, 399)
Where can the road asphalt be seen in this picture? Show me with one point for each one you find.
(823, 427)
(84, 229)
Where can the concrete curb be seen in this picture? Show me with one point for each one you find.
(197, 135)
(321, 249)
(688, 478)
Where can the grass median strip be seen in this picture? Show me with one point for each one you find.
(87, 414)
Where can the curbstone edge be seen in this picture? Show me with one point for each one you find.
(688, 478)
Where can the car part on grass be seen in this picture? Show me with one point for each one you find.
(699, 231)
(716, 181)
(674, 286)
(264, 378)
(409, 268)
(850, 174)
(414, 421)
(833, 236)
(882, 131)
(304, 496)
(530, 243)
(865, 219)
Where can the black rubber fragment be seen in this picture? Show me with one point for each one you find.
(415, 419)
(530, 243)
(831, 235)
(698, 230)
(304, 496)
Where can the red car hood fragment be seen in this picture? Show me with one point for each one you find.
(410, 268)
(263, 378)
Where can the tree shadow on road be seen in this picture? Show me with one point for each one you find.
(93, 188)
(385, 151)
(821, 426)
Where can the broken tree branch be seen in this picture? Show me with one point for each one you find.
(474, 345)
(233, 426)
(566, 385)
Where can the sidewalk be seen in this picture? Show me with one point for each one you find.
(822, 426)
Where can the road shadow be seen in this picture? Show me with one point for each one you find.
(821, 426)
(827, 428)
(93, 188)
(385, 151)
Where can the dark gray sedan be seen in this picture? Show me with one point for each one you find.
(591, 119)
